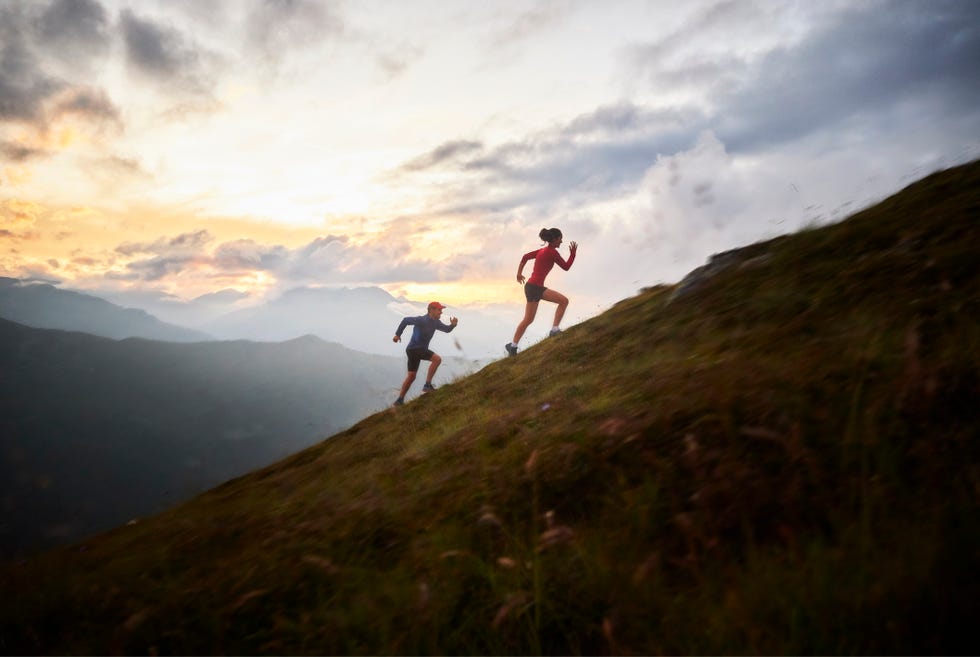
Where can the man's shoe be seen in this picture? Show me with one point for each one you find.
(554, 332)
(399, 402)
(511, 349)
(428, 387)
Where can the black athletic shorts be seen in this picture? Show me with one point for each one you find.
(416, 354)
(534, 292)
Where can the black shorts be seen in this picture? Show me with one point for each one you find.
(417, 354)
(533, 292)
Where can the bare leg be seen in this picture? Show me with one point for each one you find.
(530, 310)
(560, 299)
(433, 366)
(406, 384)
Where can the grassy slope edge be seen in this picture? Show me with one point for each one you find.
(783, 460)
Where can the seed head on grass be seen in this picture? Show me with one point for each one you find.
(514, 605)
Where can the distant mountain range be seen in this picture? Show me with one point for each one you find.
(363, 318)
(359, 318)
(94, 432)
(109, 413)
(43, 305)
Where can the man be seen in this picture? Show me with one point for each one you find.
(423, 328)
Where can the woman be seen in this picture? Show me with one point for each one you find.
(534, 290)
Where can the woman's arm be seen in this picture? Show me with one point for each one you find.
(520, 268)
(561, 262)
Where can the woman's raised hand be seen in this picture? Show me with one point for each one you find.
(573, 245)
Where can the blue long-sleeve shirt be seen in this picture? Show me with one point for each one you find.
(423, 328)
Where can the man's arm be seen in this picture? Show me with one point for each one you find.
(446, 328)
(407, 321)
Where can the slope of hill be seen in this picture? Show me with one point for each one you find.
(44, 306)
(783, 459)
(96, 431)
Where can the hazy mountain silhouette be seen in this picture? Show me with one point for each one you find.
(97, 431)
(362, 318)
(175, 310)
(42, 305)
(357, 318)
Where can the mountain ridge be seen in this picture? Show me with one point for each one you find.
(45, 306)
(783, 460)
(77, 407)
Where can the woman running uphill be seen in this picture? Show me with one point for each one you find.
(534, 290)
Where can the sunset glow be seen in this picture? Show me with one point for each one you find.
(187, 148)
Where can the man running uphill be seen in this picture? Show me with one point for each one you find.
(423, 328)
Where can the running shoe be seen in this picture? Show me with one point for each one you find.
(511, 349)
(554, 332)
(428, 387)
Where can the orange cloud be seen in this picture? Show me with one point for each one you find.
(18, 213)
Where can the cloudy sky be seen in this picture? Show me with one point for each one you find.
(184, 147)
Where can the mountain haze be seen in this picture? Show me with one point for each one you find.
(783, 458)
(97, 431)
(361, 318)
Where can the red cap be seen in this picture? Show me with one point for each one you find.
(436, 304)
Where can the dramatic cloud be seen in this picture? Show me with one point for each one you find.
(427, 144)
(76, 32)
(454, 151)
(540, 15)
(24, 86)
(332, 259)
(276, 27)
(866, 63)
(848, 67)
(14, 152)
(164, 54)
(185, 244)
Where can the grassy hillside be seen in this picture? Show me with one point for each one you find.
(783, 459)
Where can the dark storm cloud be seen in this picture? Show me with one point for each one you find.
(154, 269)
(865, 65)
(250, 255)
(163, 54)
(860, 63)
(167, 256)
(450, 151)
(75, 30)
(277, 26)
(598, 153)
(859, 67)
(331, 257)
(14, 152)
(87, 103)
(192, 243)
(35, 40)
(72, 30)
(24, 85)
(538, 16)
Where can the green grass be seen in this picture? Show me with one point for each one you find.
(781, 461)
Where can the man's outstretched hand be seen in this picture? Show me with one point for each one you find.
(453, 321)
